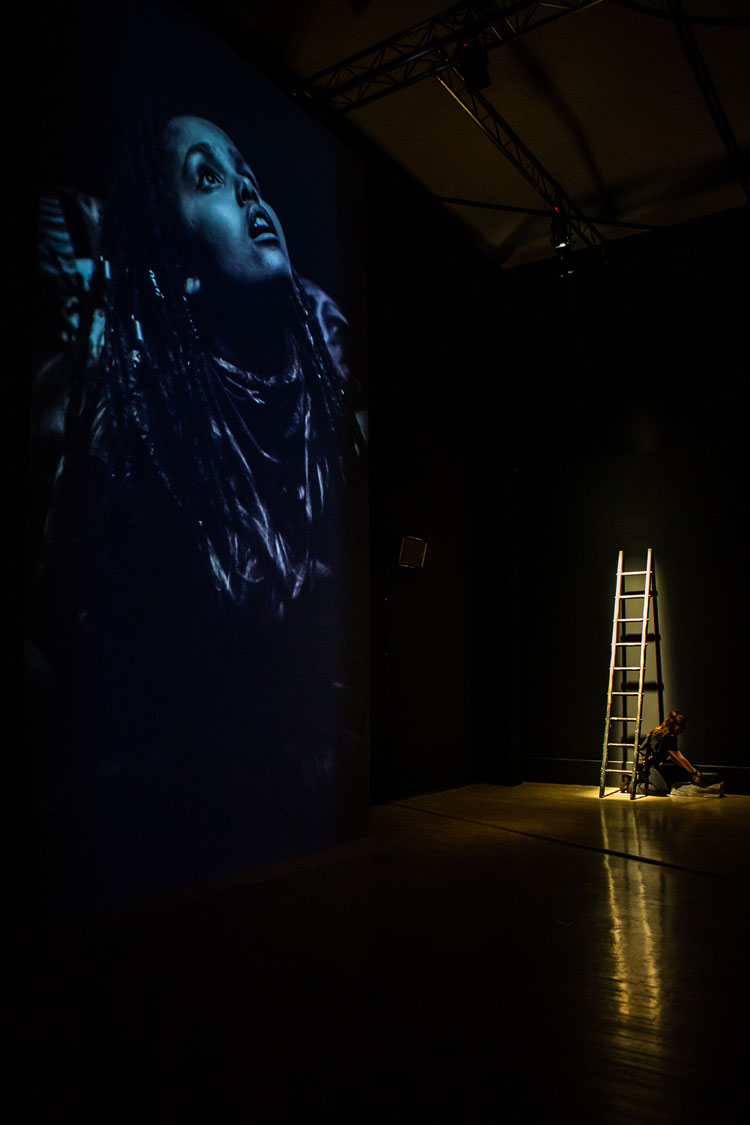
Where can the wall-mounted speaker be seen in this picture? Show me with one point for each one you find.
(413, 552)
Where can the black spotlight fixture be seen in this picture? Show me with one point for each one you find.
(560, 233)
(472, 62)
(562, 238)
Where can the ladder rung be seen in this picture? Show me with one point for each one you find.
(642, 595)
(626, 692)
(621, 619)
(620, 744)
(622, 719)
(624, 572)
(616, 769)
(621, 644)
(626, 668)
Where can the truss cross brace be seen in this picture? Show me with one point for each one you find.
(420, 51)
(492, 124)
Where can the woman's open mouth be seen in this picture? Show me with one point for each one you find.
(261, 228)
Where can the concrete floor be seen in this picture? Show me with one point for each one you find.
(484, 953)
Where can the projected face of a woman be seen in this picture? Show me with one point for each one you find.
(234, 237)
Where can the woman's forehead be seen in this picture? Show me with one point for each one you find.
(185, 133)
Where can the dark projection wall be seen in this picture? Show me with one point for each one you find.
(197, 628)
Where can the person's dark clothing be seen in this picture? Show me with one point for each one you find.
(660, 747)
(664, 771)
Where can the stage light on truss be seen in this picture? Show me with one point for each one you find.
(561, 236)
(562, 239)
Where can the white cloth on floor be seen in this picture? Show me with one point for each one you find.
(690, 790)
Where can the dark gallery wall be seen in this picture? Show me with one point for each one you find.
(529, 427)
(646, 448)
(431, 305)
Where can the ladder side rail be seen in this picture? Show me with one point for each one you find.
(641, 673)
(612, 662)
(657, 646)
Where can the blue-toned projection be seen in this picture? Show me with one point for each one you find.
(197, 624)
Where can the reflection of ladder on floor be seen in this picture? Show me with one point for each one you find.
(631, 609)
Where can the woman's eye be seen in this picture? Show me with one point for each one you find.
(207, 178)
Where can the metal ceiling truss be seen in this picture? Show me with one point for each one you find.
(484, 114)
(428, 50)
(425, 50)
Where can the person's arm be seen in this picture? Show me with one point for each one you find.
(682, 761)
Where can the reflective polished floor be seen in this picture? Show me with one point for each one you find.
(486, 953)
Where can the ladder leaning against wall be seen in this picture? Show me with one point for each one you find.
(622, 729)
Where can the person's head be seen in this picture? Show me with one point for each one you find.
(675, 722)
(185, 218)
(231, 237)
